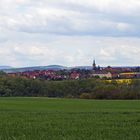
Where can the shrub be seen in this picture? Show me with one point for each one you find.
(85, 96)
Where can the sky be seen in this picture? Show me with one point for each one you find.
(69, 32)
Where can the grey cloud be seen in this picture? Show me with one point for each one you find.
(70, 18)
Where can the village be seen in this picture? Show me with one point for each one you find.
(75, 73)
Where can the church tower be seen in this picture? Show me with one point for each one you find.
(94, 65)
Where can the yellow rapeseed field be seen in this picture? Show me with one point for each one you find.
(121, 81)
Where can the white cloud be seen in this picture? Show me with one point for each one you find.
(125, 6)
(72, 51)
(123, 26)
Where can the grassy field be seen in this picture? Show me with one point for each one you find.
(68, 119)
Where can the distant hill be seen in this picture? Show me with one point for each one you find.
(49, 67)
(9, 69)
(82, 67)
(55, 67)
(5, 67)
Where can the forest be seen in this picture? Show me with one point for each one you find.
(85, 89)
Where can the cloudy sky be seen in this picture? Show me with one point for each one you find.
(69, 32)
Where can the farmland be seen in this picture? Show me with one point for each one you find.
(68, 119)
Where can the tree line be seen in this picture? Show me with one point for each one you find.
(84, 89)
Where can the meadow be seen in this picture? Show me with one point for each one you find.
(68, 119)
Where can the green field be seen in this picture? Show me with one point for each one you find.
(68, 119)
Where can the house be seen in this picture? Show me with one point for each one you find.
(130, 75)
(115, 75)
(74, 75)
(138, 74)
(102, 74)
(12, 74)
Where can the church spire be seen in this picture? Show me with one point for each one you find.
(94, 65)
